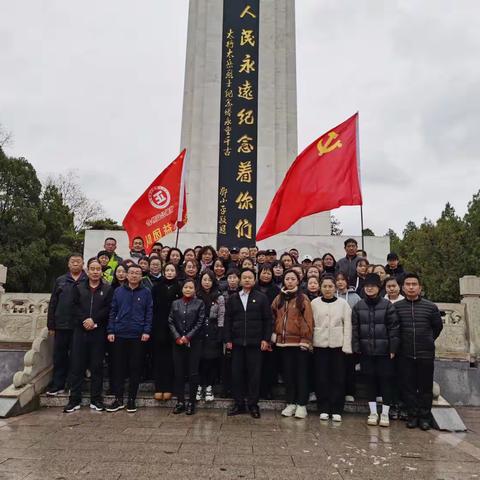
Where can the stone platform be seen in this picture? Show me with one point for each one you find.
(153, 443)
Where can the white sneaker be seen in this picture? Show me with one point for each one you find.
(301, 411)
(289, 410)
(372, 419)
(384, 420)
(312, 397)
(199, 393)
(349, 398)
(209, 397)
(324, 416)
(336, 417)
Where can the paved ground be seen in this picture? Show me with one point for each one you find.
(155, 444)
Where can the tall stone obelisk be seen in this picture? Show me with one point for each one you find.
(277, 119)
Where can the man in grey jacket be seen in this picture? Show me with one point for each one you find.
(348, 264)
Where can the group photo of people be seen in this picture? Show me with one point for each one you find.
(245, 324)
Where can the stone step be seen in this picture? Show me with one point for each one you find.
(145, 399)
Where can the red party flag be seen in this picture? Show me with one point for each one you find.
(162, 208)
(324, 176)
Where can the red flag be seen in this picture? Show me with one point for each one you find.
(324, 176)
(162, 208)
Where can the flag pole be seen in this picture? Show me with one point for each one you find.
(181, 198)
(360, 179)
(361, 221)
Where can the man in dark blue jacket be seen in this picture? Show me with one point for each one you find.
(61, 322)
(129, 329)
(420, 325)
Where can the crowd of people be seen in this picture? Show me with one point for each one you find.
(244, 321)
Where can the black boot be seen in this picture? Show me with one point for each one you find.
(179, 408)
(190, 408)
(412, 422)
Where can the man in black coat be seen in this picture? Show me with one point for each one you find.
(420, 325)
(91, 306)
(60, 321)
(248, 329)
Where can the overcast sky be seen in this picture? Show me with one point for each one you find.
(98, 87)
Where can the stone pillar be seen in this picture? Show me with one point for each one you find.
(470, 292)
(277, 116)
(3, 278)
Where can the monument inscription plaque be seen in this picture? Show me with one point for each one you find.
(237, 175)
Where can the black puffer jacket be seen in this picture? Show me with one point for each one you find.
(375, 327)
(60, 308)
(248, 327)
(94, 304)
(187, 318)
(164, 292)
(420, 325)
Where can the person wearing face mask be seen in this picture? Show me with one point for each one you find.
(332, 341)
(376, 338)
(186, 321)
(91, 306)
(214, 302)
(292, 335)
(164, 293)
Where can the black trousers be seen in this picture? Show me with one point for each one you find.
(209, 371)
(128, 358)
(379, 377)
(350, 377)
(227, 373)
(295, 374)
(417, 383)
(62, 346)
(329, 379)
(163, 366)
(269, 372)
(186, 362)
(88, 350)
(246, 371)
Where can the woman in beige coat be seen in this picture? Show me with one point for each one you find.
(332, 340)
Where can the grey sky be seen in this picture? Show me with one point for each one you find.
(97, 87)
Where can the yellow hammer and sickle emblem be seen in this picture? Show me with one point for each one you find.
(327, 146)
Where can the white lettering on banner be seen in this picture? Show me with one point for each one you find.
(159, 197)
(156, 218)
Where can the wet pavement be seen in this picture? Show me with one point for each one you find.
(153, 443)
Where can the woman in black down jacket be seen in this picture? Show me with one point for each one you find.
(186, 321)
(213, 333)
(164, 292)
(376, 337)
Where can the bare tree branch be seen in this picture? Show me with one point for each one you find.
(83, 208)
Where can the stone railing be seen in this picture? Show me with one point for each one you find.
(22, 316)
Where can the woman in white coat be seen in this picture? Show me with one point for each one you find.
(332, 340)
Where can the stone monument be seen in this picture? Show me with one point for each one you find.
(276, 112)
